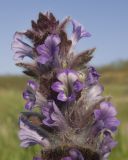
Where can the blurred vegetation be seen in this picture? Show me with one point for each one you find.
(115, 80)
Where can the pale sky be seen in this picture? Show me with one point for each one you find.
(106, 20)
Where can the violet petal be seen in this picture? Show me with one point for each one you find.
(62, 96)
(57, 86)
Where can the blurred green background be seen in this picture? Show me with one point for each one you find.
(115, 80)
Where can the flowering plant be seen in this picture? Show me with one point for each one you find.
(66, 113)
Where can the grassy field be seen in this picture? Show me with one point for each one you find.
(11, 103)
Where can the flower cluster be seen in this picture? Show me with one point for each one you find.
(68, 85)
(65, 111)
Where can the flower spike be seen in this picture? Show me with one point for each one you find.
(66, 112)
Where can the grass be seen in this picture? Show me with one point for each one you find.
(116, 85)
(11, 103)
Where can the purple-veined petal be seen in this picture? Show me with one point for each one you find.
(57, 86)
(26, 94)
(42, 49)
(74, 155)
(62, 96)
(29, 105)
(109, 108)
(52, 41)
(30, 97)
(112, 123)
(30, 94)
(32, 84)
(20, 48)
(78, 32)
(93, 76)
(71, 98)
(78, 86)
(49, 122)
(107, 144)
(44, 58)
(49, 50)
(106, 115)
(97, 113)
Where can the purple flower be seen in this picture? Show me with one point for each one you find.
(30, 94)
(48, 52)
(107, 144)
(37, 158)
(29, 136)
(67, 86)
(78, 32)
(20, 48)
(105, 117)
(53, 116)
(74, 155)
(93, 76)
